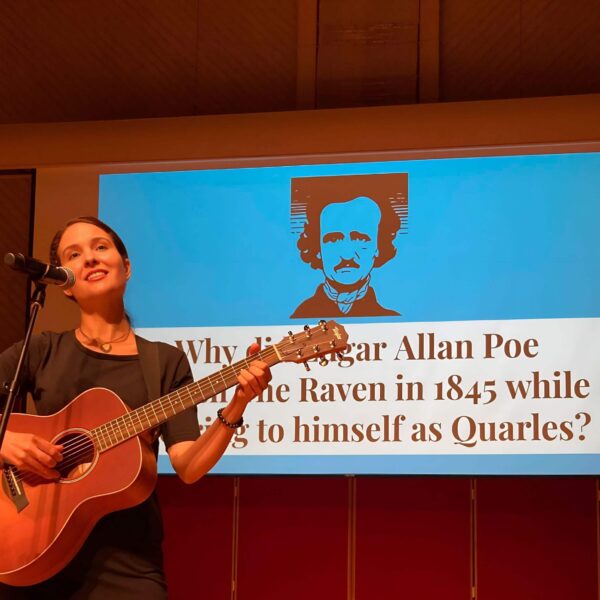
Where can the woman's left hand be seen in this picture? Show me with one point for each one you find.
(253, 380)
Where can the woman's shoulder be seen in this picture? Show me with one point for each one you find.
(42, 347)
(45, 340)
(48, 342)
(54, 337)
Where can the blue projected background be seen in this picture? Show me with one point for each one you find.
(479, 229)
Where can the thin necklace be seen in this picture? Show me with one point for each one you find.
(107, 345)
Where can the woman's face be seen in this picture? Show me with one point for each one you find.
(100, 271)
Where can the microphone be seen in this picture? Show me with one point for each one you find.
(39, 271)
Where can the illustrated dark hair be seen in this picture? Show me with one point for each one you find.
(119, 245)
(309, 240)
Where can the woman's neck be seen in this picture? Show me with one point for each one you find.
(107, 336)
(105, 323)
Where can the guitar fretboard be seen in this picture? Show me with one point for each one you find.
(158, 411)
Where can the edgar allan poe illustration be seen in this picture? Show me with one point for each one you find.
(350, 223)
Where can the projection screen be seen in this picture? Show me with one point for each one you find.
(474, 336)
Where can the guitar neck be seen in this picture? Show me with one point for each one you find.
(158, 411)
(312, 342)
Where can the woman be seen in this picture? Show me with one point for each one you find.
(122, 557)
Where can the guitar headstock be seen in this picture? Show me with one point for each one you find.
(328, 337)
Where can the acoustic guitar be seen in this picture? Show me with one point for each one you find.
(105, 465)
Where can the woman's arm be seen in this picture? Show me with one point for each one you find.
(26, 451)
(192, 460)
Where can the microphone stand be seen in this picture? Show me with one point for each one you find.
(37, 302)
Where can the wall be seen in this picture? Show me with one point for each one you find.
(16, 226)
(424, 538)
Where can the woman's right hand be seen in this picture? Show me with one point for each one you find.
(29, 452)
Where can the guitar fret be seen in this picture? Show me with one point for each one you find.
(223, 378)
(138, 426)
(180, 399)
(111, 432)
(212, 386)
(128, 422)
(98, 435)
(147, 416)
(106, 436)
(118, 428)
(163, 410)
(156, 420)
(97, 442)
(123, 427)
(201, 392)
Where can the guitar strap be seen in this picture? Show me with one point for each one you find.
(150, 363)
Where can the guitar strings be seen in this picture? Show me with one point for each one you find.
(121, 426)
(83, 445)
(128, 419)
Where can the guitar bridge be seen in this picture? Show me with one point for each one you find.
(13, 487)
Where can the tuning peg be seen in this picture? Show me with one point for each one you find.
(291, 336)
(306, 366)
(323, 361)
(323, 325)
(308, 332)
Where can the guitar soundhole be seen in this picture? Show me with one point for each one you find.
(78, 455)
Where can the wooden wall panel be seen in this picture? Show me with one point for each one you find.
(479, 49)
(198, 521)
(308, 537)
(293, 536)
(367, 52)
(246, 56)
(429, 51)
(413, 538)
(537, 538)
(560, 47)
(71, 60)
(518, 48)
(123, 59)
(15, 236)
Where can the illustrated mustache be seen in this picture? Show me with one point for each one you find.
(344, 264)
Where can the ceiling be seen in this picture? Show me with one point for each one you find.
(67, 60)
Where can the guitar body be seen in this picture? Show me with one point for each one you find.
(43, 534)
